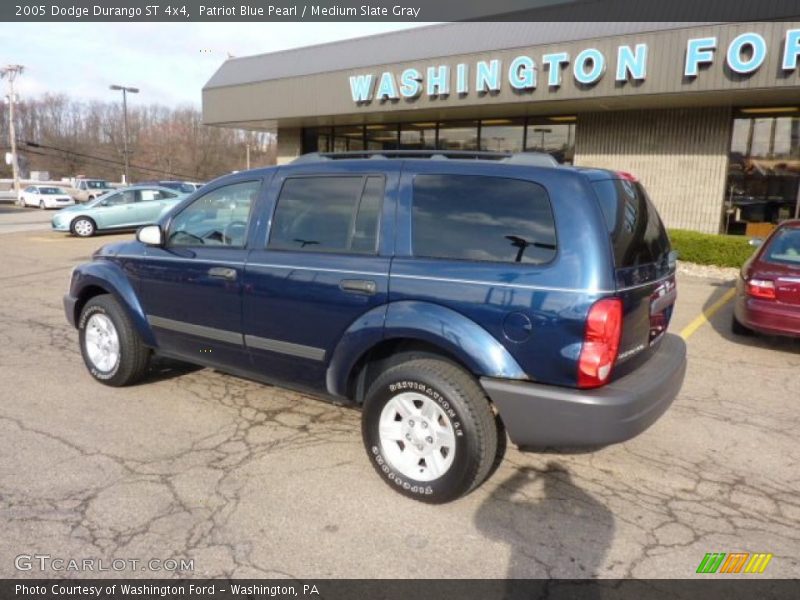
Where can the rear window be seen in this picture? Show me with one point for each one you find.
(637, 233)
(784, 247)
(480, 218)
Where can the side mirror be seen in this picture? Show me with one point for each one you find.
(151, 235)
(756, 242)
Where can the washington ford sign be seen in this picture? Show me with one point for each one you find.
(745, 54)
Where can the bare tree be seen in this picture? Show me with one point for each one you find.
(68, 137)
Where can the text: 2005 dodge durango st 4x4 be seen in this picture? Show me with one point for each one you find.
(453, 299)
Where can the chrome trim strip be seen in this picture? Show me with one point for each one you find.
(789, 279)
(299, 350)
(542, 288)
(252, 264)
(234, 263)
(645, 284)
(323, 269)
(221, 335)
(502, 284)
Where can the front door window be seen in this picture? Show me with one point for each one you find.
(219, 218)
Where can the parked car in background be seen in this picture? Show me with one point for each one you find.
(86, 190)
(452, 299)
(184, 187)
(127, 208)
(768, 290)
(45, 196)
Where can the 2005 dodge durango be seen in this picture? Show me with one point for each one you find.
(457, 299)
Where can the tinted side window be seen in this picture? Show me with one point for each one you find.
(219, 218)
(150, 195)
(328, 214)
(637, 233)
(784, 247)
(125, 197)
(474, 217)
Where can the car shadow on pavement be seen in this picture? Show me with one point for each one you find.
(162, 369)
(721, 323)
(552, 526)
(13, 208)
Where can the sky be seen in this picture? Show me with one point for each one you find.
(168, 62)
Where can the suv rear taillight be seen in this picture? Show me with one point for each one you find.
(761, 288)
(600, 342)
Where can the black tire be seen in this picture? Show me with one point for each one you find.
(459, 396)
(738, 329)
(83, 227)
(133, 356)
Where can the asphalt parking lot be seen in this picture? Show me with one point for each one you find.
(252, 480)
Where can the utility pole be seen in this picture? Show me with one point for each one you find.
(248, 155)
(125, 91)
(10, 72)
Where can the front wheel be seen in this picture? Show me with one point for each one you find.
(110, 346)
(42, 204)
(83, 227)
(429, 430)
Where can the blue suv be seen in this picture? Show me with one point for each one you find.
(456, 298)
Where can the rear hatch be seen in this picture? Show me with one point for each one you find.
(644, 267)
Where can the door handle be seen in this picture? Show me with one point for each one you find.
(222, 273)
(358, 286)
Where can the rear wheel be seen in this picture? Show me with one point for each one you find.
(739, 329)
(110, 346)
(83, 227)
(429, 430)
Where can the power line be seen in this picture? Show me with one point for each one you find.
(107, 160)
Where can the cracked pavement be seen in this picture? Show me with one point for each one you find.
(251, 480)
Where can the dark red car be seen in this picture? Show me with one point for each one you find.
(768, 291)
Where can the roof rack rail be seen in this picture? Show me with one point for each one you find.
(537, 159)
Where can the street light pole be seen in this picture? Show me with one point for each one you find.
(10, 72)
(125, 91)
(542, 130)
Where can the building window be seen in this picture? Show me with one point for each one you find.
(418, 136)
(324, 140)
(382, 137)
(503, 135)
(348, 138)
(553, 135)
(763, 170)
(458, 135)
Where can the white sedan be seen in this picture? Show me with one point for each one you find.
(45, 196)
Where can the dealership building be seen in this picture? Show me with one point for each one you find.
(706, 115)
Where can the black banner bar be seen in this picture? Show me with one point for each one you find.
(708, 588)
(396, 10)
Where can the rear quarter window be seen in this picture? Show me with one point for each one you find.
(784, 247)
(482, 218)
(637, 234)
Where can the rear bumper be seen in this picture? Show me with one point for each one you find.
(537, 415)
(767, 316)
